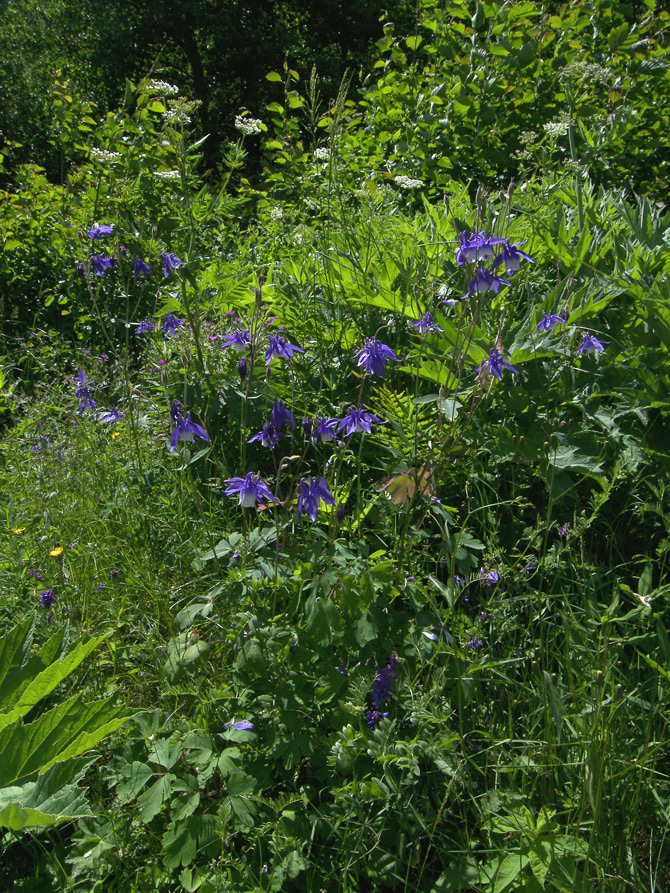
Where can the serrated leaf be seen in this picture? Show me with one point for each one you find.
(67, 731)
(52, 798)
(568, 457)
(42, 684)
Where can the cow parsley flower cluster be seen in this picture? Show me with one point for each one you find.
(248, 126)
(407, 182)
(162, 88)
(168, 176)
(104, 156)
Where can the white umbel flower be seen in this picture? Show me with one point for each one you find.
(248, 126)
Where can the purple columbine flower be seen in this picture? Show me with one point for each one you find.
(171, 262)
(185, 429)
(280, 349)
(511, 257)
(311, 497)
(171, 323)
(242, 369)
(82, 389)
(484, 282)
(326, 430)
(374, 356)
(548, 322)
(141, 268)
(280, 415)
(425, 324)
(251, 490)
(83, 393)
(239, 341)
(113, 416)
(100, 230)
(590, 344)
(358, 420)
(242, 725)
(496, 364)
(268, 436)
(100, 264)
(145, 326)
(476, 247)
(47, 598)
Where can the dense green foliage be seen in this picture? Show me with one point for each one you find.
(217, 52)
(448, 673)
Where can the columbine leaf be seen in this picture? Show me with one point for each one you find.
(151, 801)
(183, 839)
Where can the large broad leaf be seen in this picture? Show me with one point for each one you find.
(52, 798)
(25, 681)
(67, 731)
(42, 761)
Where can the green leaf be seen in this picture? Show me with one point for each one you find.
(540, 857)
(510, 867)
(184, 652)
(151, 801)
(322, 621)
(273, 76)
(617, 36)
(182, 807)
(568, 457)
(184, 838)
(461, 876)
(664, 640)
(35, 686)
(136, 775)
(53, 798)
(67, 731)
(241, 808)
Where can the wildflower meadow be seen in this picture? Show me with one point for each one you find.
(334, 459)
